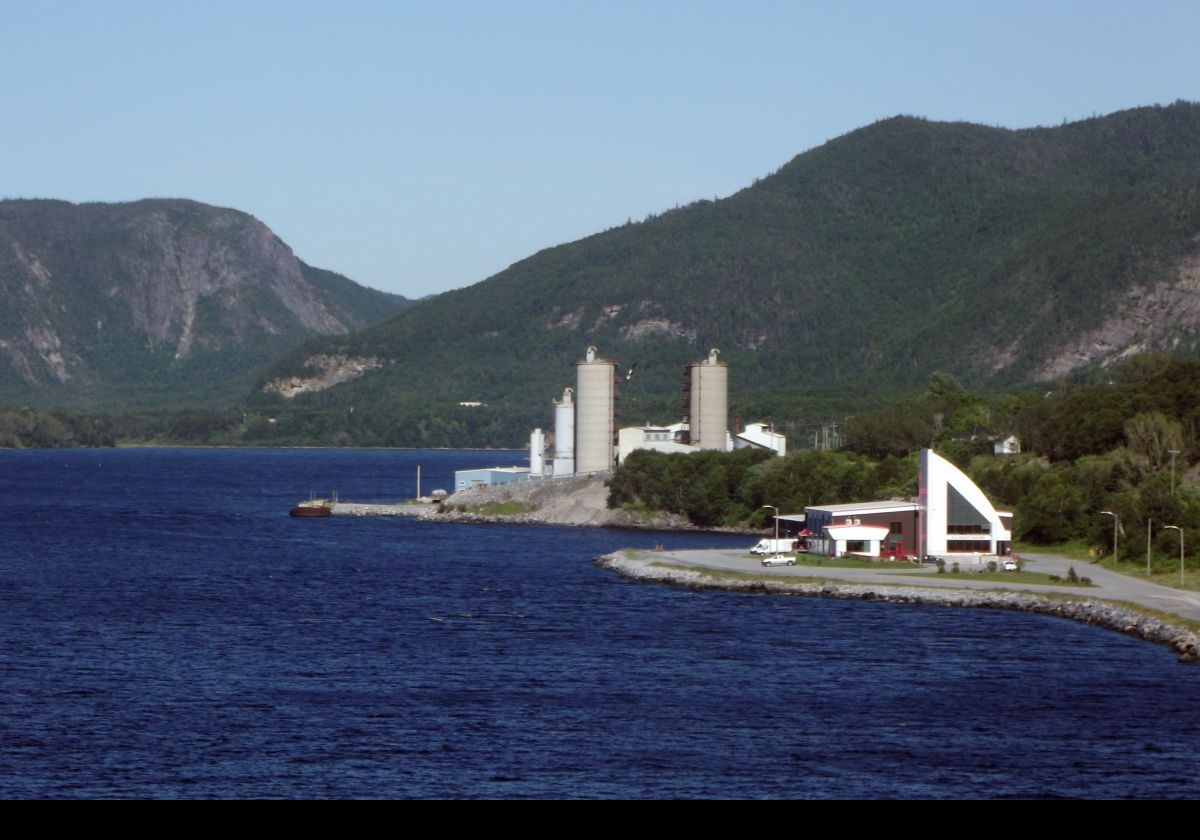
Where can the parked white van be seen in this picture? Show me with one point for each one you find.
(773, 546)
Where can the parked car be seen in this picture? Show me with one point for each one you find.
(779, 560)
(1010, 566)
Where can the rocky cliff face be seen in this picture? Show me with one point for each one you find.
(1161, 316)
(143, 303)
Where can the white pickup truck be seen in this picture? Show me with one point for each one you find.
(779, 560)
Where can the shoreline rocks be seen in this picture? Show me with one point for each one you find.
(572, 501)
(1109, 616)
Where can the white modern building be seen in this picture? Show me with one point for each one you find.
(952, 519)
(957, 517)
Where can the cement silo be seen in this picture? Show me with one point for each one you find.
(707, 399)
(595, 413)
(537, 454)
(564, 434)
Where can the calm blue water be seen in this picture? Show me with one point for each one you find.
(167, 630)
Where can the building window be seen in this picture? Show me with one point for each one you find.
(969, 546)
(962, 517)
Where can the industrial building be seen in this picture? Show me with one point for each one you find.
(466, 479)
(760, 436)
(668, 439)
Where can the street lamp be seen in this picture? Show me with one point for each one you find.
(1149, 530)
(1116, 527)
(775, 547)
(1180, 530)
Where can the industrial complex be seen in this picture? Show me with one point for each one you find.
(586, 437)
(951, 517)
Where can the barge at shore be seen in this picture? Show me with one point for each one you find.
(314, 507)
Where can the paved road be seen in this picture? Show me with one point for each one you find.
(1108, 584)
(1118, 587)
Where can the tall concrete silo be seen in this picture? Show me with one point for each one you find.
(564, 434)
(537, 454)
(707, 383)
(595, 413)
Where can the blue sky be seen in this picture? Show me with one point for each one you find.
(417, 147)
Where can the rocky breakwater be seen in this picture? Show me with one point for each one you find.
(574, 500)
(1180, 639)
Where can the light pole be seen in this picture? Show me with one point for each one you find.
(1180, 530)
(1149, 527)
(1116, 527)
(775, 547)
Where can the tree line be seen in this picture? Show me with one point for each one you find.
(1125, 446)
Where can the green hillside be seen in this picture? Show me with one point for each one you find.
(855, 271)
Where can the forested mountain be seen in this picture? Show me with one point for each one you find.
(899, 249)
(156, 303)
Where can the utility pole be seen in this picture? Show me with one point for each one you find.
(1148, 526)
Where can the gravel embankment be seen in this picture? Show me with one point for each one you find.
(575, 500)
(1099, 613)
